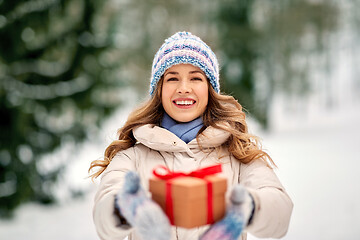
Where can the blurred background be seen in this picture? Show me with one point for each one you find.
(71, 71)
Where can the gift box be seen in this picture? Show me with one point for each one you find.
(192, 199)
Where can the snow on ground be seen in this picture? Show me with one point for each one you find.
(318, 163)
(68, 221)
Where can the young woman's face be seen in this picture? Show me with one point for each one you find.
(184, 92)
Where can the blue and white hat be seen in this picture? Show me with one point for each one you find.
(183, 47)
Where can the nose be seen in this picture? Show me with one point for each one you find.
(184, 87)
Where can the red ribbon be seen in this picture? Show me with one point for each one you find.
(200, 173)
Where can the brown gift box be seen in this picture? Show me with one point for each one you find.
(189, 196)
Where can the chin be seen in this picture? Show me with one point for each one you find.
(184, 119)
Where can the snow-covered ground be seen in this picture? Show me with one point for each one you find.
(319, 166)
(318, 163)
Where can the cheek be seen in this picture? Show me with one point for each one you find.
(163, 100)
(165, 96)
(163, 92)
(205, 101)
(203, 94)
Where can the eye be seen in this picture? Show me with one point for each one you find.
(171, 79)
(197, 79)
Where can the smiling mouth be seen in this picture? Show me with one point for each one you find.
(184, 102)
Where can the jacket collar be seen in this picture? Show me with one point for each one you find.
(160, 139)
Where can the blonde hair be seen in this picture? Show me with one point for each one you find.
(221, 108)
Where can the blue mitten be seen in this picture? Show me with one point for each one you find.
(140, 211)
(237, 216)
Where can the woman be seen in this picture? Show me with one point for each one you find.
(186, 125)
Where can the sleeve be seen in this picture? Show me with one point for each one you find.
(273, 206)
(106, 222)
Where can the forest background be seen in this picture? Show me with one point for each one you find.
(71, 70)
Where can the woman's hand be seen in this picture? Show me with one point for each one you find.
(140, 211)
(236, 219)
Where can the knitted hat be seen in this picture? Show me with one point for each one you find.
(183, 47)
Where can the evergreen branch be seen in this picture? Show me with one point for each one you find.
(28, 8)
(46, 92)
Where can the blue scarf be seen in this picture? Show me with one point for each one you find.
(185, 131)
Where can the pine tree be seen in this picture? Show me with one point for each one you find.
(269, 47)
(56, 84)
(238, 43)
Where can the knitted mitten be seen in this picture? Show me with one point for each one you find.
(141, 212)
(237, 217)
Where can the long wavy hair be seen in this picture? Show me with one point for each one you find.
(221, 108)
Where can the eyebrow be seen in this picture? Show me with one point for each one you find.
(197, 71)
(175, 73)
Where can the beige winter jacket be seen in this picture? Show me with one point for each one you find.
(157, 146)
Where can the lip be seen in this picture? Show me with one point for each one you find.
(184, 100)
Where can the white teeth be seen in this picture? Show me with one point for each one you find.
(184, 102)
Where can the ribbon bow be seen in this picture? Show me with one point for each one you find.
(200, 173)
(168, 175)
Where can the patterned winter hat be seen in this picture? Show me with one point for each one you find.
(183, 47)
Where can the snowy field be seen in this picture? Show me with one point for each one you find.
(318, 162)
(319, 166)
